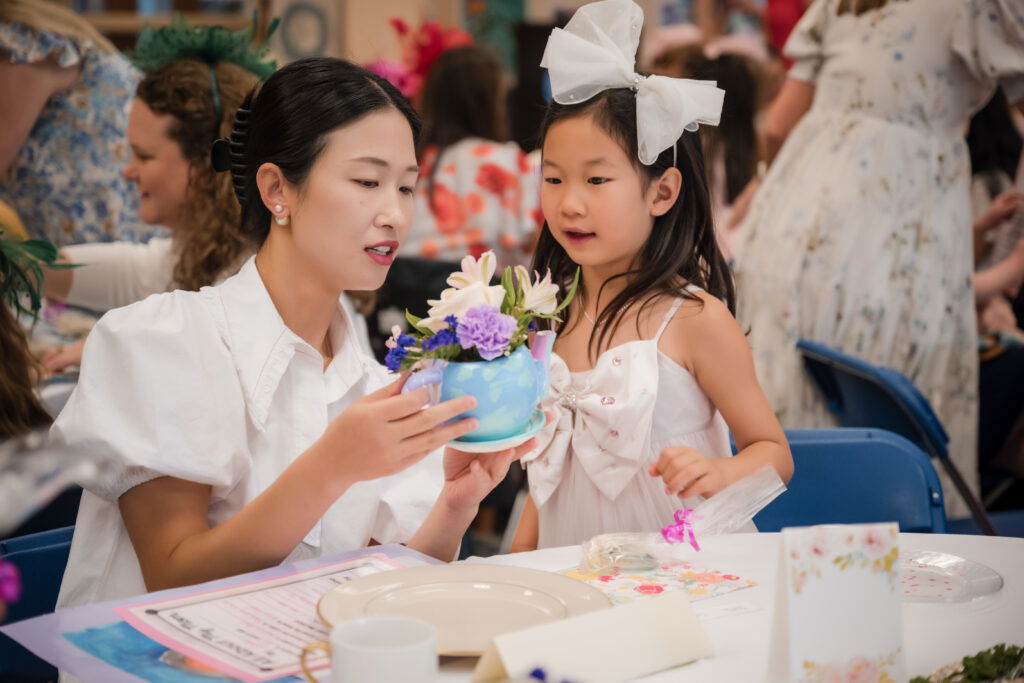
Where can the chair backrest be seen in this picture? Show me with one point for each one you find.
(864, 395)
(849, 476)
(40, 558)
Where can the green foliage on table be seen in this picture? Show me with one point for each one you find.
(997, 663)
(21, 272)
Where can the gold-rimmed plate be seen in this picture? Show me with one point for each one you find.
(469, 604)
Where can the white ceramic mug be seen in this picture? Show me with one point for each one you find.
(379, 649)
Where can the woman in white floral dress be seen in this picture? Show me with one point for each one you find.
(860, 236)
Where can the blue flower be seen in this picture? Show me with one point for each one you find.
(445, 337)
(451, 320)
(488, 329)
(405, 340)
(393, 360)
(532, 326)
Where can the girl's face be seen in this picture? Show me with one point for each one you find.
(593, 197)
(355, 208)
(157, 166)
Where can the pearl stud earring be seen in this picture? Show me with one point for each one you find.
(280, 220)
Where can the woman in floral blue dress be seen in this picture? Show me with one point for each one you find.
(63, 147)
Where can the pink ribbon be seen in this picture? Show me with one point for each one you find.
(683, 528)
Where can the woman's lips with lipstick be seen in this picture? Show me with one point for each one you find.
(382, 253)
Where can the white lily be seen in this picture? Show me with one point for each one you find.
(538, 296)
(457, 301)
(474, 271)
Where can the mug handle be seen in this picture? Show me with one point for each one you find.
(312, 647)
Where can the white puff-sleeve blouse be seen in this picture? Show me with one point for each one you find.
(212, 387)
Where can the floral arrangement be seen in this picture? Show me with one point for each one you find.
(474, 320)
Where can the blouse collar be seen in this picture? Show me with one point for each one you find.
(263, 347)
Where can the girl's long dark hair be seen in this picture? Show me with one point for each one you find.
(681, 249)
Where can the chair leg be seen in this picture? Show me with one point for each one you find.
(977, 511)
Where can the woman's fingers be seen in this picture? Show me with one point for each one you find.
(424, 420)
(438, 436)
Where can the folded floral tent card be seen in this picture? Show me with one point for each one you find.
(837, 605)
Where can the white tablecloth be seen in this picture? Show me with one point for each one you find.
(935, 634)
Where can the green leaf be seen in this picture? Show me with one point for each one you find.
(509, 302)
(570, 294)
(415, 323)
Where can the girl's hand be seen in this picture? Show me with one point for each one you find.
(688, 473)
(59, 357)
(387, 431)
(468, 477)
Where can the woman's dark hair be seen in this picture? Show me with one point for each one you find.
(734, 135)
(287, 122)
(22, 409)
(681, 249)
(992, 139)
(461, 99)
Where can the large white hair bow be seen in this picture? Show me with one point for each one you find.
(596, 51)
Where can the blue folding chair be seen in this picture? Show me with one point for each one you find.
(40, 558)
(860, 394)
(852, 476)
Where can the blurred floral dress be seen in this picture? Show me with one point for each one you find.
(65, 182)
(860, 236)
(486, 196)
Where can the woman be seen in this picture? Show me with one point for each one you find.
(249, 427)
(63, 149)
(184, 102)
(860, 236)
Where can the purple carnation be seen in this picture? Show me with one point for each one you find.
(445, 337)
(486, 328)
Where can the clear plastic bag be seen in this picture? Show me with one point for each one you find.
(725, 512)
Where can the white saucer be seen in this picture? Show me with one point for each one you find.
(535, 424)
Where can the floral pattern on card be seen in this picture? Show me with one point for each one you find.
(669, 577)
(871, 548)
(854, 670)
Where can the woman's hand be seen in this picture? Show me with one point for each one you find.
(61, 357)
(687, 472)
(1003, 208)
(387, 431)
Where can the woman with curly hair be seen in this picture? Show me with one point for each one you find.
(185, 101)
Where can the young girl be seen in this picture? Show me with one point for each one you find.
(649, 359)
(250, 428)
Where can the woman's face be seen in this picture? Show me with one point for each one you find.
(157, 166)
(355, 207)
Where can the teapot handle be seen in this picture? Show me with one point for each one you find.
(424, 377)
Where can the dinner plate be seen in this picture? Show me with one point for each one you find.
(928, 576)
(535, 424)
(469, 604)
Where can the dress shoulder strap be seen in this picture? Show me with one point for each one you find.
(668, 316)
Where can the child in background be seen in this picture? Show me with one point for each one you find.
(651, 369)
